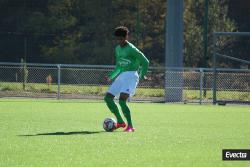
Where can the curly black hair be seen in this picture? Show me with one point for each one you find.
(121, 31)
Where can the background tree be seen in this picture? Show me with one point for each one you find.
(81, 31)
(194, 19)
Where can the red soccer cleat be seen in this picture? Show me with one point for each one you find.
(129, 129)
(120, 125)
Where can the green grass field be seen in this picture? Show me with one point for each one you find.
(50, 133)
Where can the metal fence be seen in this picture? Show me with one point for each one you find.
(226, 56)
(87, 82)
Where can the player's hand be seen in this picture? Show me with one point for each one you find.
(147, 78)
(106, 78)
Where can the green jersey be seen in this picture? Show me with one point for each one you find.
(129, 58)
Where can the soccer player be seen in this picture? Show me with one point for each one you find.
(131, 65)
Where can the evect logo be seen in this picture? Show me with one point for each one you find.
(236, 154)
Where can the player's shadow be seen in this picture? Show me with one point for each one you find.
(65, 133)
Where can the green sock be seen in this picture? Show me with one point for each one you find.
(113, 108)
(126, 111)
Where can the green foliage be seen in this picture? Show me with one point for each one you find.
(218, 21)
(81, 31)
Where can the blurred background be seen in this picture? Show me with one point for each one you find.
(81, 31)
(64, 48)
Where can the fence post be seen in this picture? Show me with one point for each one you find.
(58, 80)
(214, 69)
(201, 83)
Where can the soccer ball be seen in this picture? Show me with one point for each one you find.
(109, 124)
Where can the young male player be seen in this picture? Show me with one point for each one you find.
(131, 65)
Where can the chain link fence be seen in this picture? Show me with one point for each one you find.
(87, 82)
(233, 86)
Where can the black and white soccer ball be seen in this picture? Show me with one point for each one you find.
(109, 124)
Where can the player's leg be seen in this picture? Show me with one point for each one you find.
(127, 90)
(114, 90)
(109, 99)
(126, 111)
